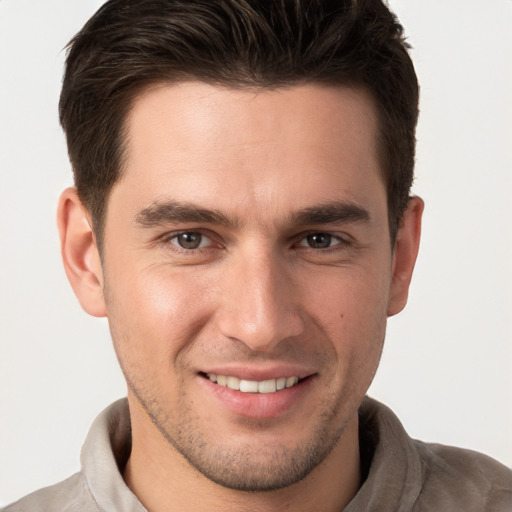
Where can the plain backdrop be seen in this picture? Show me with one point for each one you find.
(447, 363)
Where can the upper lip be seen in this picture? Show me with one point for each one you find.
(245, 372)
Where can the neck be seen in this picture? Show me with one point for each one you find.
(164, 481)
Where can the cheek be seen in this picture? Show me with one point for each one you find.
(350, 307)
(348, 298)
(154, 314)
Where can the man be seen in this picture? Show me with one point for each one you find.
(242, 217)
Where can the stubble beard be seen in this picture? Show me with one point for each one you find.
(248, 467)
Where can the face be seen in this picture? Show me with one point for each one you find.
(247, 273)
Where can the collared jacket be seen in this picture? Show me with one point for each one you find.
(401, 474)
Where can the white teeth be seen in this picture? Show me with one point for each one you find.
(249, 386)
(291, 381)
(281, 383)
(253, 386)
(267, 386)
(233, 383)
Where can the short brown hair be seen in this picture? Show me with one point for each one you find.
(129, 45)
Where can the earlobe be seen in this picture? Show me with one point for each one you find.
(79, 252)
(406, 250)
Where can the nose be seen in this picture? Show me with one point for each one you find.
(259, 306)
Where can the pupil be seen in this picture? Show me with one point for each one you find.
(189, 240)
(319, 240)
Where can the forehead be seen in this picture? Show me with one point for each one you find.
(317, 113)
(287, 147)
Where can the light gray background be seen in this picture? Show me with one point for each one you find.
(446, 368)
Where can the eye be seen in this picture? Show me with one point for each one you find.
(190, 240)
(319, 241)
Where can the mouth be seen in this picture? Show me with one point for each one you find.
(253, 386)
(262, 399)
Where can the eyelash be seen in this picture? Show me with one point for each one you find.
(340, 241)
(343, 242)
(168, 239)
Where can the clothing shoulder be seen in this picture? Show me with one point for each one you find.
(71, 495)
(472, 480)
(406, 475)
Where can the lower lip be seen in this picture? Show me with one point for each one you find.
(258, 405)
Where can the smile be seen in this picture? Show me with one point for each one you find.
(253, 386)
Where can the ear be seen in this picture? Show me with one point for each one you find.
(80, 254)
(406, 250)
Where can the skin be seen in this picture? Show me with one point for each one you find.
(275, 288)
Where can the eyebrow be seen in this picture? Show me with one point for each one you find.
(161, 213)
(168, 212)
(331, 213)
